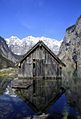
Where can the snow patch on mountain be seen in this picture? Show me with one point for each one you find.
(13, 40)
(21, 46)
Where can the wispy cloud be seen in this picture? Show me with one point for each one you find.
(26, 25)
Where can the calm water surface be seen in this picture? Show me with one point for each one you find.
(12, 107)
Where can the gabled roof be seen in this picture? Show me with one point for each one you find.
(41, 43)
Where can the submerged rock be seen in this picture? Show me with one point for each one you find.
(42, 116)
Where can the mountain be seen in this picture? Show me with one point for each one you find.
(7, 58)
(20, 47)
(5, 63)
(70, 49)
(70, 54)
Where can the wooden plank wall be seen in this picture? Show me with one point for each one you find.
(46, 65)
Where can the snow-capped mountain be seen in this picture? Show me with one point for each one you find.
(7, 58)
(21, 46)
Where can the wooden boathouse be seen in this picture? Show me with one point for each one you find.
(40, 61)
(39, 75)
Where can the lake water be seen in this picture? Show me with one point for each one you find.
(12, 107)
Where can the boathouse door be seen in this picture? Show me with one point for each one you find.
(38, 71)
(38, 68)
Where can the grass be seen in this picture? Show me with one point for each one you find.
(8, 72)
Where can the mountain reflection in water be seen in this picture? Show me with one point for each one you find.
(61, 107)
(12, 107)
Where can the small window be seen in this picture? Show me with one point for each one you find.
(33, 63)
(40, 47)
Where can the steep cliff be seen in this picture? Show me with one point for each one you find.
(70, 54)
(7, 58)
(5, 63)
(70, 50)
(6, 52)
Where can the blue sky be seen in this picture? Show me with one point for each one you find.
(47, 18)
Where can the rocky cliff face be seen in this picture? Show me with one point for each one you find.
(7, 58)
(70, 50)
(70, 54)
(5, 63)
(6, 52)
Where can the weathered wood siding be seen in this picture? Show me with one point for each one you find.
(39, 63)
